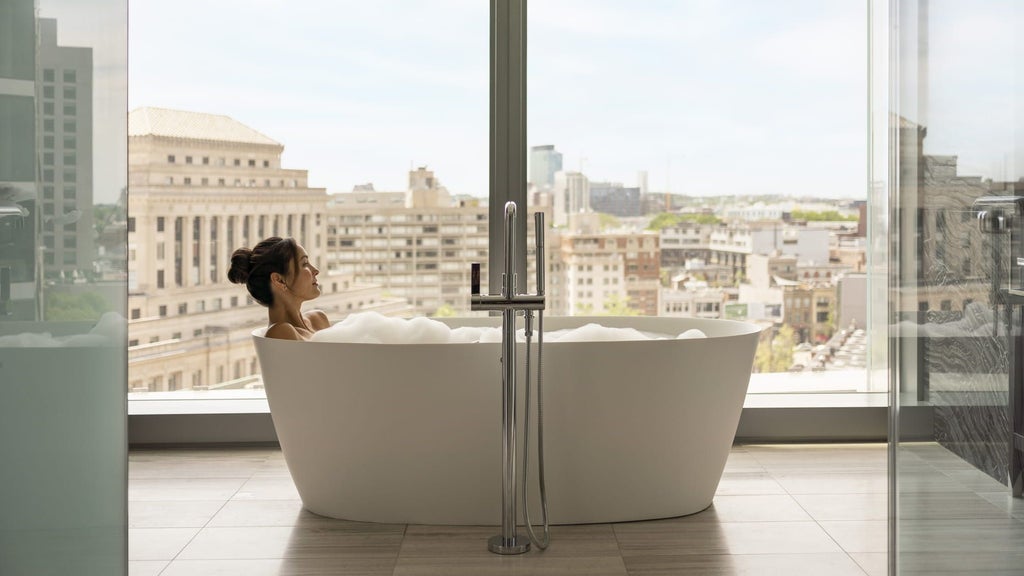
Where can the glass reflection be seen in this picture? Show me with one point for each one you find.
(62, 287)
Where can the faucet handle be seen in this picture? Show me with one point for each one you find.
(474, 278)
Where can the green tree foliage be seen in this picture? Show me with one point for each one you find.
(670, 219)
(608, 221)
(445, 311)
(775, 353)
(826, 216)
(64, 306)
(616, 305)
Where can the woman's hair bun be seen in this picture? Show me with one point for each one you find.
(241, 265)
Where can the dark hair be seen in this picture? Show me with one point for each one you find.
(254, 267)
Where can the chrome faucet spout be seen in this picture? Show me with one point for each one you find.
(508, 288)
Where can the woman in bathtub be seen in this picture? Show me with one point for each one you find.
(278, 274)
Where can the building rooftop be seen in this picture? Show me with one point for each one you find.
(193, 126)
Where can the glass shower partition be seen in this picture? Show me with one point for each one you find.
(63, 278)
(955, 176)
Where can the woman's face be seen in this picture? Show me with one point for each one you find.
(303, 282)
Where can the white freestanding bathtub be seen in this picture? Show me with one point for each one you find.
(403, 433)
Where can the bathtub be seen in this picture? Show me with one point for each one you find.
(399, 433)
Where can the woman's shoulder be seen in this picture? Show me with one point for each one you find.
(284, 331)
(318, 319)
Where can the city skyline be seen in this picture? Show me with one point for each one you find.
(708, 99)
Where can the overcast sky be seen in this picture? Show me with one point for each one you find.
(709, 97)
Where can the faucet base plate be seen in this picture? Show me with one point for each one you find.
(515, 545)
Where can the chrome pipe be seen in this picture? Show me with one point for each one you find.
(508, 302)
(508, 283)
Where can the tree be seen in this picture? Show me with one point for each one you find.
(669, 220)
(608, 221)
(616, 305)
(775, 352)
(445, 311)
(64, 306)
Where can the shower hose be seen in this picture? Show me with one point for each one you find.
(539, 543)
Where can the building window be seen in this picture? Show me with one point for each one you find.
(170, 158)
(69, 76)
(238, 162)
(136, 313)
(183, 308)
(163, 309)
(266, 163)
(252, 163)
(206, 160)
(160, 223)
(131, 224)
(160, 284)
(48, 75)
(188, 159)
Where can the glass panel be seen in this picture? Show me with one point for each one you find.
(63, 481)
(709, 160)
(359, 128)
(959, 179)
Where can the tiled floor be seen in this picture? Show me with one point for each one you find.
(780, 509)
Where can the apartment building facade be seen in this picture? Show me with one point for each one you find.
(200, 186)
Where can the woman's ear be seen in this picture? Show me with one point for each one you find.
(276, 278)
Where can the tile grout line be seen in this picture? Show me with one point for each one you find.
(816, 521)
(210, 519)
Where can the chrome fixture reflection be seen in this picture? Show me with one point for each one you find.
(509, 303)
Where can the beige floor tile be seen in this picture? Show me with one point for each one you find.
(674, 537)
(591, 541)
(1004, 501)
(283, 567)
(325, 541)
(146, 567)
(171, 514)
(158, 543)
(495, 565)
(176, 489)
(748, 483)
(874, 563)
(962, 563)
(859, 535)
(862, 506)
(268, 488)
(745, 565)
(947, 505)
(836, 483)
(954, 536)
(264, 513)
(754, 508)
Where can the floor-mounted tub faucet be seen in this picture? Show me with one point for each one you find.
(508, 302)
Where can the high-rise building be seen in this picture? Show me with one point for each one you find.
(616, 199)
(65, 81)
(570, 195)
(19, 218)
(544, 162)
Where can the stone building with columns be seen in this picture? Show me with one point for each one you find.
(200, 186)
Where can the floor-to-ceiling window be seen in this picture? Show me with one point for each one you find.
(713, 156)
(62, 287)
(360, 129)
(710, 160)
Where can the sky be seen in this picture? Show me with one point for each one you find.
(709, 97)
